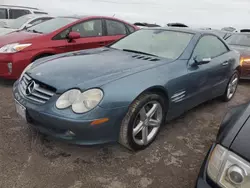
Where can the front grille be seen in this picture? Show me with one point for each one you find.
(40, 93)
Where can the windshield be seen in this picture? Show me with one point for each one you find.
(240, 40)
(51, 25)
(17, 23)
(162, 43)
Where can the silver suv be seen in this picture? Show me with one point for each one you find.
(10, 12)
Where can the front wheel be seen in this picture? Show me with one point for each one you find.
(142, 122)
(231, 87)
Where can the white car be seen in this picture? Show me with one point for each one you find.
(24, 22)
(8, 13)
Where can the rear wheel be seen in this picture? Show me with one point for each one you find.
(142, 122)
(231, 87)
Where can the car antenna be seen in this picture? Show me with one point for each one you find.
(114, 15)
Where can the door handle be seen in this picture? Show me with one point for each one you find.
(225, 63)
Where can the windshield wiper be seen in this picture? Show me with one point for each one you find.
(35, 31)
(139, 52)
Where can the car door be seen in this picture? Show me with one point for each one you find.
(115, 30)
(208, 80)
(91, 32)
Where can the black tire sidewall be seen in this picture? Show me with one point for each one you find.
(141, 103)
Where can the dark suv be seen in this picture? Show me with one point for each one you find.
(227, 163)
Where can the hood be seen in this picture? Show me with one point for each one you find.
(240, 144)
(243, 50)
(89, 68)
(5, 22)
(4, 31)
(18, 36)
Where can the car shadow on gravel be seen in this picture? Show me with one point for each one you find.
(6, 83)
(244, 82)
(53, 149)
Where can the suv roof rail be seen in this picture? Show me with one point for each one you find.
(20, 7)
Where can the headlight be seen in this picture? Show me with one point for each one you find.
(228, 169)
(80, 102)
(12, 48)
(67, 99)
(25, 70)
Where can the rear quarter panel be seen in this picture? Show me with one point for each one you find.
(234, 56)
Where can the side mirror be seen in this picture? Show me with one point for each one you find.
(198, 60)
(73, 35)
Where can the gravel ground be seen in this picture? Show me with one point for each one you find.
(29, 160)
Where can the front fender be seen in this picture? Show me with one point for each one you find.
(38, 53)
(232, 123)
(124, 91)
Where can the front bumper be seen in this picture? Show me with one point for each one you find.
(56, 123)
(18, 62)
(203, 181)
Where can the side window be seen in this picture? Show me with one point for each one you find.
(115, 28)
(92, 28)
(3, 13)
(63, 34)
(39, 20)
(209, 46)
(130, 29)
(16, 13)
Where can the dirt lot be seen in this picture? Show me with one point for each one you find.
(31, 161)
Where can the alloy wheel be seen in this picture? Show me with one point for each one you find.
(147, 123)
(232, 86)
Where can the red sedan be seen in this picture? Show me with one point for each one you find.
(58, 35)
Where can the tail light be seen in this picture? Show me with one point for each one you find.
(244, 60)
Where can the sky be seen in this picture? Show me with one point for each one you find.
(200, 13)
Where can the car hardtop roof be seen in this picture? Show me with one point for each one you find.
(211, 29)
(243, 33)
(182, 29)
(91, 17)
(20, 7)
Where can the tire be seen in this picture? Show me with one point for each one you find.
(134, 117)
(226, 97)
